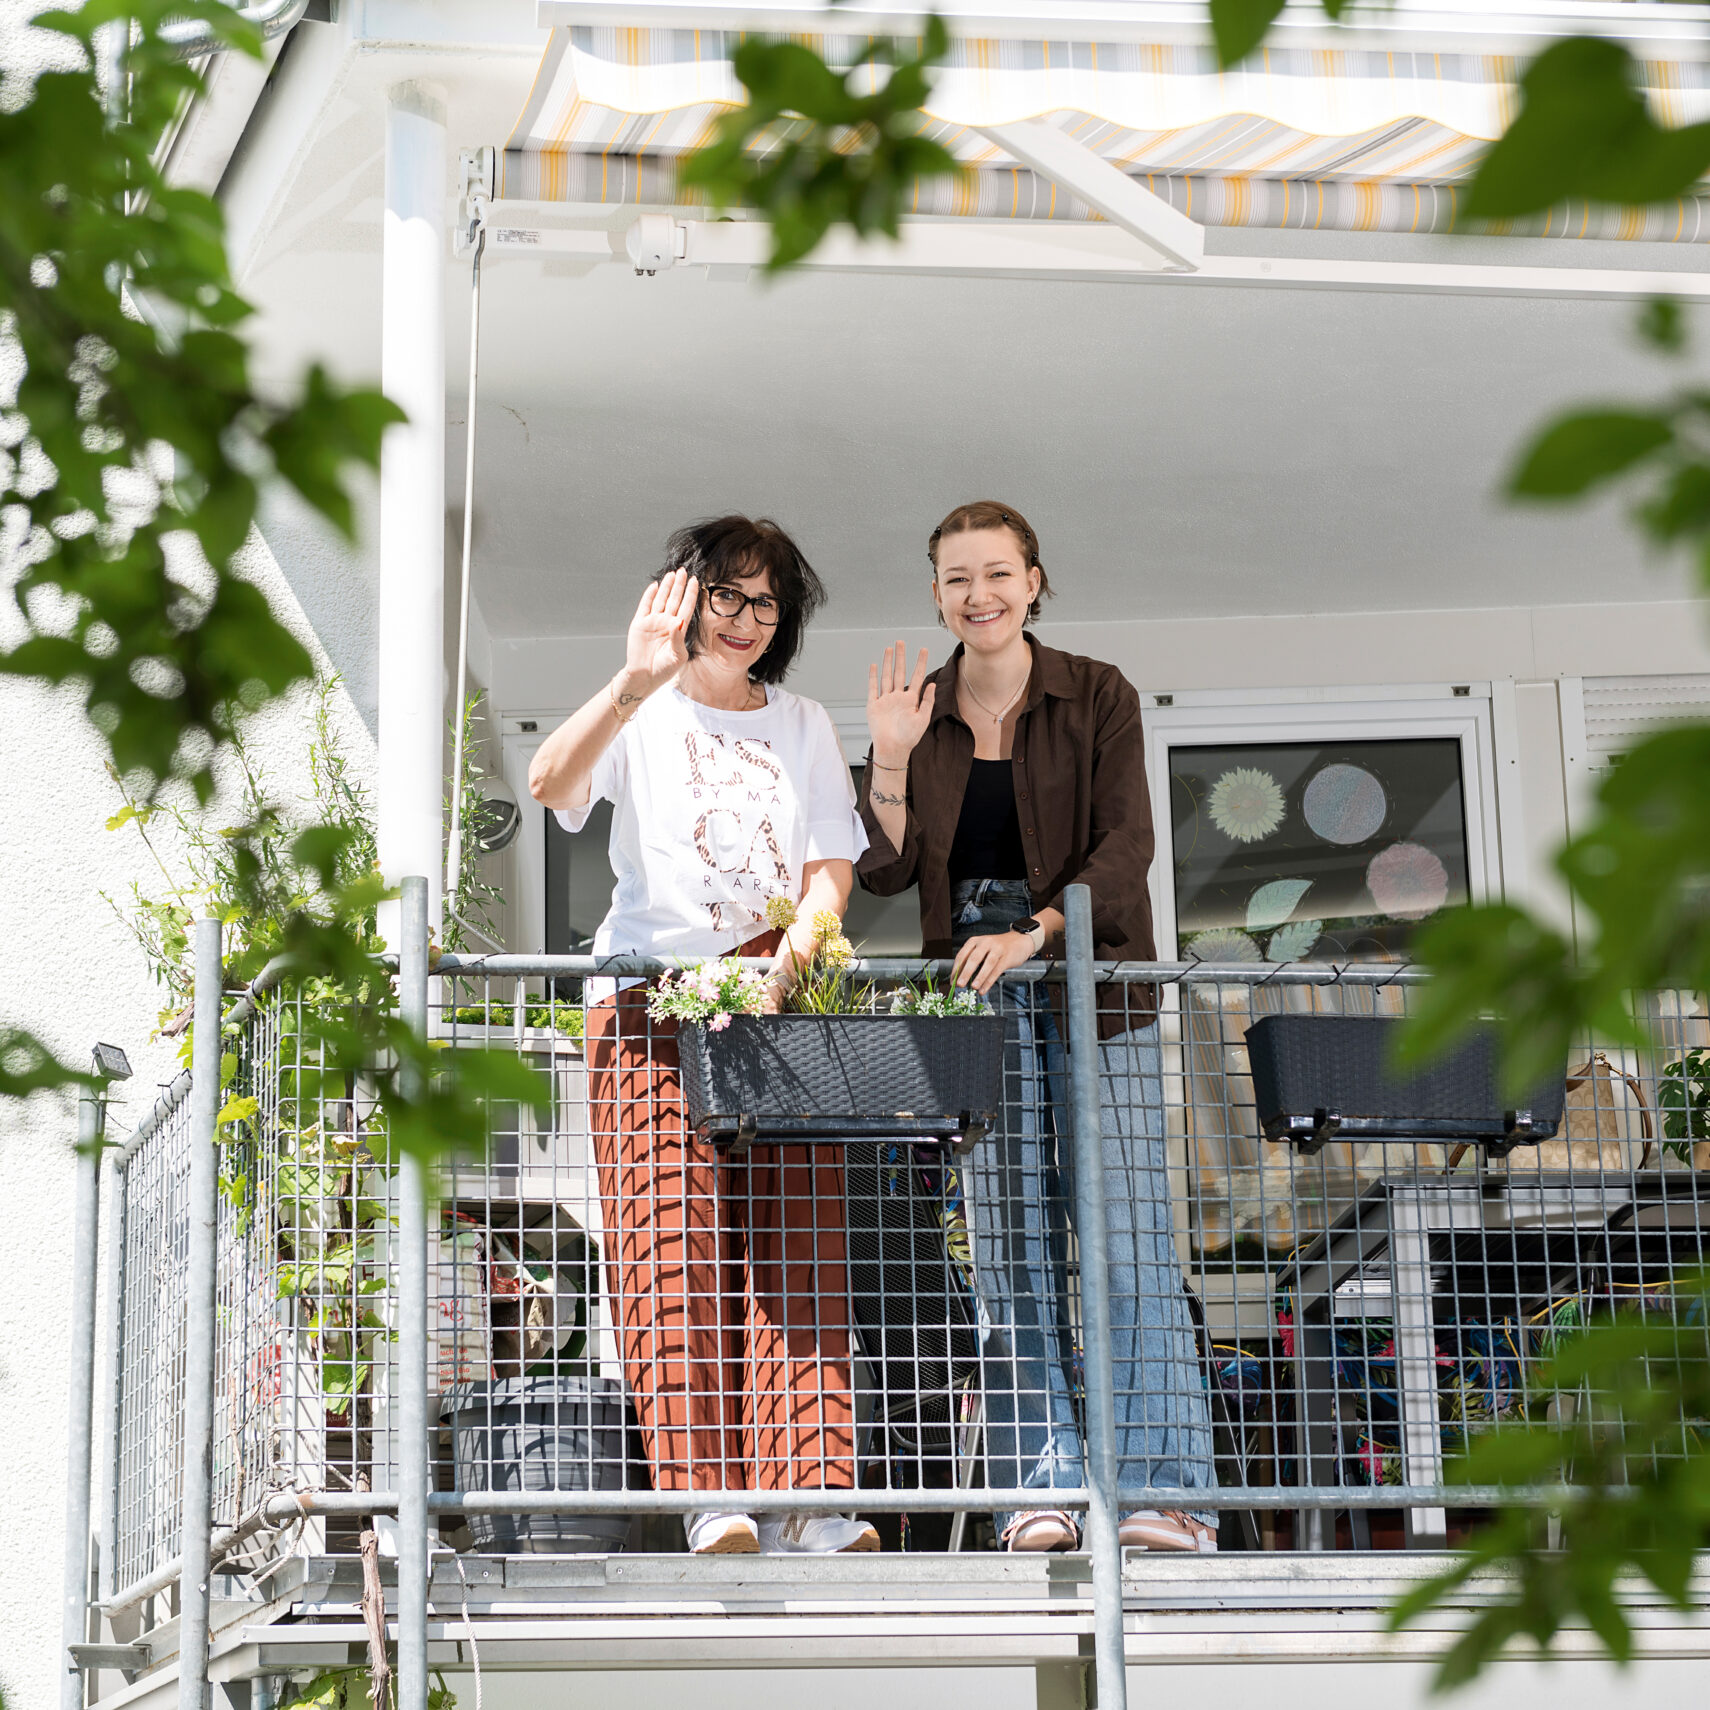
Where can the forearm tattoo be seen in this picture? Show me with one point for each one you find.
(888, 801)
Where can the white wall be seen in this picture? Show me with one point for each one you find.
(1525, 643)
(68, 971)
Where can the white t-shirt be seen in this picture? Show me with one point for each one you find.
(715, 812)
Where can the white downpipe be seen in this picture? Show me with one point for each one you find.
(412, 499)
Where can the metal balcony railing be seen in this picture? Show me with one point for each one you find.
(1291, 1344)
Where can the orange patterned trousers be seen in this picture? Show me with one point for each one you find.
(729, 1279)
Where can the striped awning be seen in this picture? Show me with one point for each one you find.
(1333, 140)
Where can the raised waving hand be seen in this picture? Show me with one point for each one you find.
(658, 633)
(899, 707)
(560, 772)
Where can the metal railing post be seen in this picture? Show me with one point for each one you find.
(1103, 1544)
(86, 1234)
(412, 1459)
(112, 1314)
(202, 1214)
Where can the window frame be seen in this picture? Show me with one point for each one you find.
(1229, 717)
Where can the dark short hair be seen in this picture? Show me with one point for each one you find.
(989, 513)
(729, 549)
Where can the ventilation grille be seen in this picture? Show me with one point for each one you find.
(1620, 712)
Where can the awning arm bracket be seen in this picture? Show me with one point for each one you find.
(478, 176)
(1177, 241)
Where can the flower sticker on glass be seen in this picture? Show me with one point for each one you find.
(1224, 944)
(1345, 804)
(1407, 881)
(1289, 943)
(1271, 904)
(1246, 804)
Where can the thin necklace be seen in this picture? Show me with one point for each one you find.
(999, 716)
(750, 705)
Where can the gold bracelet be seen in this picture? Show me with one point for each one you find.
(622, 716)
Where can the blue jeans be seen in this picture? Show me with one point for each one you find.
(1021, 1189)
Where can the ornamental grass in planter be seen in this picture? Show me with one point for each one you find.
(841, 1062)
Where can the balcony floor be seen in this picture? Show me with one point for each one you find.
(589, 1615)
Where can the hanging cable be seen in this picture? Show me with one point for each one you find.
(469, 1629)
(454, 845)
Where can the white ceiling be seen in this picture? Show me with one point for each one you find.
(1184, 450)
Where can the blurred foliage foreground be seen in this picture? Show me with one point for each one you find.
(135, 445)
(134, 450)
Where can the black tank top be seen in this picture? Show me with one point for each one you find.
(987, 844)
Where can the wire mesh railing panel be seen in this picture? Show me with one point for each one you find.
(622, 1301)
(324, 1226)
(1368, 1309)
(619, 1301)
(155, 1230)
(248, 1357)
(520, 1353)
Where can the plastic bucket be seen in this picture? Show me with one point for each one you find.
(541, 1433)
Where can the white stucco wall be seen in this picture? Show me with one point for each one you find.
(69, 971)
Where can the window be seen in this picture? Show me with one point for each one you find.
(1318, 825)
(1323, 851)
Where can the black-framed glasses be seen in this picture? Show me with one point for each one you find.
(728, 602)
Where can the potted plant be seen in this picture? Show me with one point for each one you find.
(1683, 1096)
(839, 1063)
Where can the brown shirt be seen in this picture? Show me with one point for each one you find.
(1079, 765)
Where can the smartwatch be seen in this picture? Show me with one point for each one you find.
(1032, 929)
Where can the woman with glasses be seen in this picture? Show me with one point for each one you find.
(729, 1280)
(1011, 772)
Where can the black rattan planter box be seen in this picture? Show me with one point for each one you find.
(1327, 1077)
(803, 1077)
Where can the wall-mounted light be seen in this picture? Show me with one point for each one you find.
(111, 1063)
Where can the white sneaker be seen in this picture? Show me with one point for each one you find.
(721, 1535)
(1173, 1529)
(1041, 1529)
(815, 1535)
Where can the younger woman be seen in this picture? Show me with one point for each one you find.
(993, 783)
(729, 1279)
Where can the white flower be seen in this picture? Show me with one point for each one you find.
(1224, 944)
(1245, 804)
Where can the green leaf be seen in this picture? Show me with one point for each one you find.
(323, 848)
(1680, 508)
(1584, 130)
(812, 149)
(236, 1110)
(329, 1691)
(29, 1066)
(1662, 326)
(1238, 26)
(1576, 453)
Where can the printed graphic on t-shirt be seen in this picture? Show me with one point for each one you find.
(735, 788)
